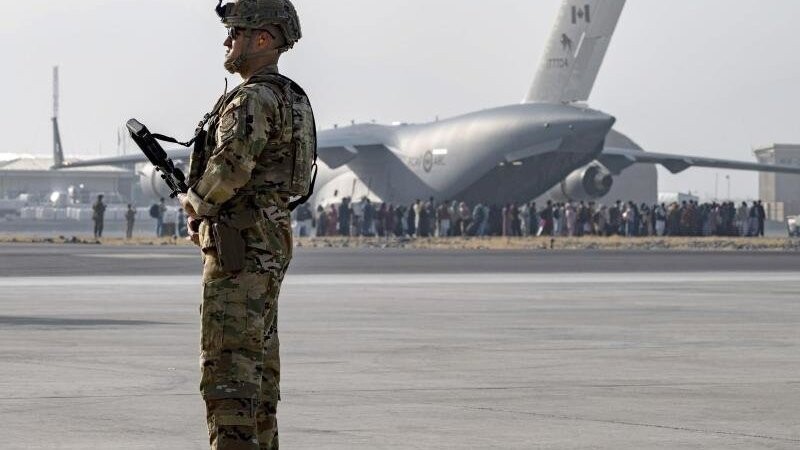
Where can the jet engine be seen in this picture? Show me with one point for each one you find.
(153, 187)
(587, 183)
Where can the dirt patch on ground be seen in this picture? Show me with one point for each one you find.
(585, 243)
(492, 243)
(87, 240)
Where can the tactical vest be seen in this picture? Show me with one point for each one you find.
(290, 174)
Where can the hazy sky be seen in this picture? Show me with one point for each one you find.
(705, 77)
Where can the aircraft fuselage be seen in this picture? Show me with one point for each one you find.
(507, 154)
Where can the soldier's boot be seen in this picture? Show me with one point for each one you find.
(231, 424)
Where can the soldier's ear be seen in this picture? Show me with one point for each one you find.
(264, 39)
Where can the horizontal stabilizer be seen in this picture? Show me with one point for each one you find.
(618, 159)
(335, 157)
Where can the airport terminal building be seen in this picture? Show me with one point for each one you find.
(33, 176)
(779, 192)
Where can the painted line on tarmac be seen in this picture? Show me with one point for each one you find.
(138, 256)
(411, 280)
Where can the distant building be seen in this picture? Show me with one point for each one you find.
(779, 192)
(33, 176)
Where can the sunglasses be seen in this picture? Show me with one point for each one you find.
(234, 33)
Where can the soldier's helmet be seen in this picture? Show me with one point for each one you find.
(260, 14)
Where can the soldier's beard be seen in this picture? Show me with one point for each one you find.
(234, 65)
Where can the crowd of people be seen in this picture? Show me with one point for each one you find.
(572, 219)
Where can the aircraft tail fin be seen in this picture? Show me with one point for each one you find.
(58, 151)
(575, 51)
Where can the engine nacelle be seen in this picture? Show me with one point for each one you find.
(153, 187)
(587, 183)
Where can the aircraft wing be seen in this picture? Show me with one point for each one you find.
(175, 155)
(338, 150)
(618, 159)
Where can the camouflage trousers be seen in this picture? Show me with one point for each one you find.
(240, 359)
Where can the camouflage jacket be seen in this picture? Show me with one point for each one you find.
(253, 129)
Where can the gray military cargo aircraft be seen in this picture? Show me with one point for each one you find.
(550, 143)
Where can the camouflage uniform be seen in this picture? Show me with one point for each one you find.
(244, 184)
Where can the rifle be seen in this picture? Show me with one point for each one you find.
(147, 142)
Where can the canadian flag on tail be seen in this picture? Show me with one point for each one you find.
(581, 14)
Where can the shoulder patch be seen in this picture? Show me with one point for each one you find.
(233, 120)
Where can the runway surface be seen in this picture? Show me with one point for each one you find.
(410, 349)
(68, 260)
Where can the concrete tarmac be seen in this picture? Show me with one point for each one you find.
(409, 349)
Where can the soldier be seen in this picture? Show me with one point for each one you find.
(259, 152)
(98, 215)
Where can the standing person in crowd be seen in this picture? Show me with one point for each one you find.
(412, 218)
(333, 221)
(479, 221)
(304, 218)
(400, 221)
(742, 219)
(418, 212)
(645, 221)
(557, 216)
(580, 218)
(686, 226)
(516, 227)
(130, 219)
(534, 219)
(660, 216)
(425, 220)
(344, 217)
(464, 217)
(321, 222)
(390, 220)
(380, 220)
(753, 214)
(430, 222)
(615, 218)
(588, 219)
(571, 219)
(443, 220)
(601, 221)
(368, 225)
(160, 210)
(506, 216)
(356, 217)
(546, 219)
(98, 216)
(494, 220)
(761, 215)
(524, 220)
